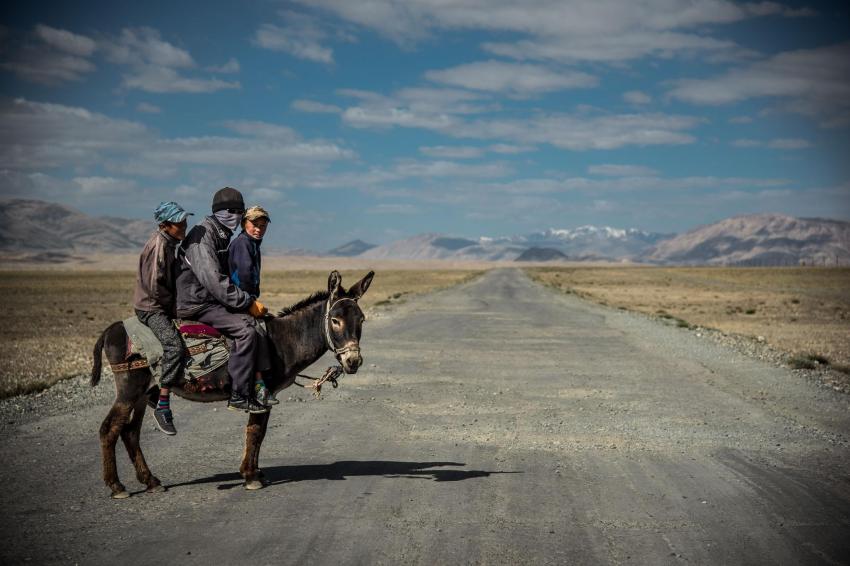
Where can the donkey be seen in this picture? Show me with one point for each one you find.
(301, 334)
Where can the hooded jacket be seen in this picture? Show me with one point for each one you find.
(204, 271)
(156, 276)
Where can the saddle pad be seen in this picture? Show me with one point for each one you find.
(206, 348)
(199, 329)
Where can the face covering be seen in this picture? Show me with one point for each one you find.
(229, 219)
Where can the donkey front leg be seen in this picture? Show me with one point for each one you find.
(110, 430)
(130, 435)
(254, 434)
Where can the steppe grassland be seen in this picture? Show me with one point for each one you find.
(797, 309)
(51, 318)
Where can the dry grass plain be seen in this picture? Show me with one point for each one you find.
(796, 309)
(51, 318)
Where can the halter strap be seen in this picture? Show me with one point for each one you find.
(328, 339)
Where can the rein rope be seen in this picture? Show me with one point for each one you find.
(332, 373)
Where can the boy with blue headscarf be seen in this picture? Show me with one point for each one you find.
(155, 302)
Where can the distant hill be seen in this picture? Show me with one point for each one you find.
(542, 254)
(759, 239)
(353, 248)
(37, 226)
(592, 242)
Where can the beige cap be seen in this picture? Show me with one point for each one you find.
(255, 213)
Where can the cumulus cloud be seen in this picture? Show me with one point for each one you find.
(315, 107)
(817, 81)
(104, 185)
(232, 66)
(39, 137)
(452, 151)
(776, 143)
(587, 30)
(156, 65)
(567, 131)
(66, 41)
(148, 108)
(301, 36)
(52, 56)
(636, 97)
(511, 78)
(612, 170)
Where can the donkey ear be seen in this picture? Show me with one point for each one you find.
(334, 283)
(358, 289)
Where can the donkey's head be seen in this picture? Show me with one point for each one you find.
(344, 320)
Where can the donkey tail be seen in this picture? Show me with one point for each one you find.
(97, 363)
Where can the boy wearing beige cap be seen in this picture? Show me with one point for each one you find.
(245, 262)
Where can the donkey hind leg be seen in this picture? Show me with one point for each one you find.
(254, 434)
(130, 435)
(111, 428)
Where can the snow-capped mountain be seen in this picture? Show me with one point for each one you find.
(585, 242)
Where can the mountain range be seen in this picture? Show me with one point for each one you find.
(39, 229)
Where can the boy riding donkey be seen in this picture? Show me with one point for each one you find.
(205, 293)
(155, 301)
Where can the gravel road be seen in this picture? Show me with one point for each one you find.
(497, 422)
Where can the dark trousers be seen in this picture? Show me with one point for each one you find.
(172, 345)
(239, 327)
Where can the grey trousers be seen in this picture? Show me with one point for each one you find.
(173, 348)
(239, 327)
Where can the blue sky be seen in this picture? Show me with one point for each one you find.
(382, 119)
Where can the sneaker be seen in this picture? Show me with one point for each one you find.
(266, 397)
(248, 404)
(165, 421)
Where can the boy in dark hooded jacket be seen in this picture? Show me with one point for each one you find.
(206, 293)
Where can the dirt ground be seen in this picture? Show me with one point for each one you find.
(798, 310)
(52, 318)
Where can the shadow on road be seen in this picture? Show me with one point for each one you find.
(342, 470)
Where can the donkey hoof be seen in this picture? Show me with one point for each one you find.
(120, 495)
(155, 489)
(254, 484)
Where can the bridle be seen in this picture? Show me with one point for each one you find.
(337, 351)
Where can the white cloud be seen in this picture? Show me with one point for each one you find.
(612, 170)
(261, 129)
(52, 57)
(594, 30)
(511, 78)
(148, 108)
(145, 46)
(157, 79)
(777, 143)
(66, 41)
(155, 65)
(511, 149)
(36, 135)
(740, 120)
(450, 169)
(580, 132)
(622, 46)
(636, 97)
(452, 151)
(232, 66)
(744, 142)
(104, 185)
(301, 36)
(816, 80)
(789, 143)
(315, 107)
